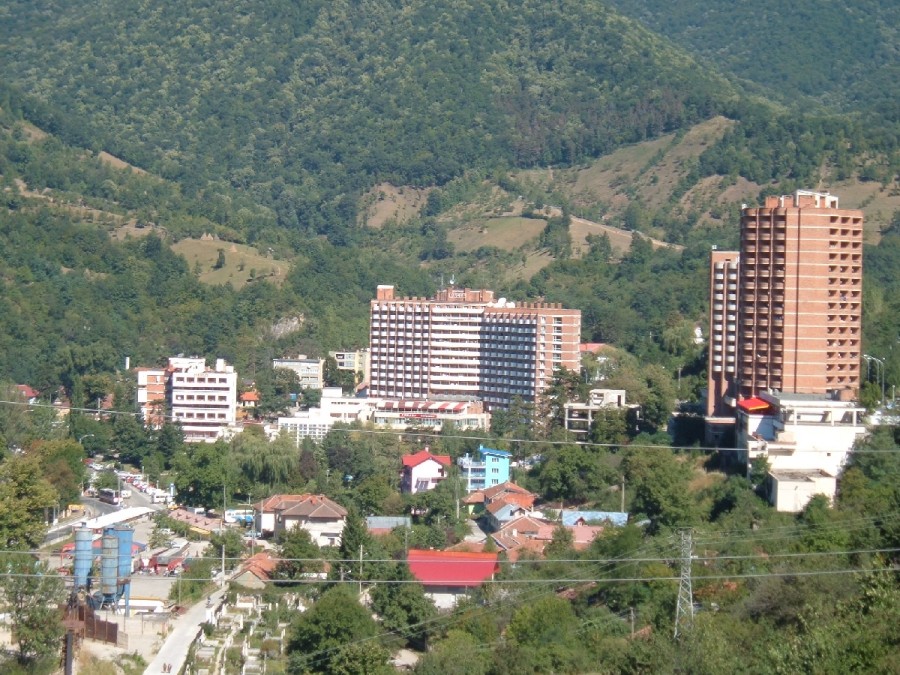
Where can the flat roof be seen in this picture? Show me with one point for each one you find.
(114, 518)
(799, 474)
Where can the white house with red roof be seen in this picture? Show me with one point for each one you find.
(28, 392)
(422, 471)
(449, 575)
(323, 518)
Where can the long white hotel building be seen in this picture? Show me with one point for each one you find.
(464, 344)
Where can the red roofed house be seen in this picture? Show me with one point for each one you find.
(423, 471)
(509, 492)
(449, 575)
(256, 571)
(28, 393)
(525, 533)
(317, 514)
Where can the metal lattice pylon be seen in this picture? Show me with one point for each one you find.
(684, 610)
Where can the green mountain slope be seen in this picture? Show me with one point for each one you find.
(305, 106)
(843, 53)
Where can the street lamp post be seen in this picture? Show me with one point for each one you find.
(879, 372)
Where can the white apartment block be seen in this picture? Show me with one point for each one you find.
(464, 344)
(202, 400)
(311, 372)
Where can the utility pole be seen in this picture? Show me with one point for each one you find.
(360, 568)
(223, 534)
(622, 497)
(684, 610)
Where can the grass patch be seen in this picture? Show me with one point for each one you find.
(507, 233)
(242, 264)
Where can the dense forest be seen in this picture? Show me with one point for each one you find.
(840, 55)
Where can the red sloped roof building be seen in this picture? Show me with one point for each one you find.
(449, 575)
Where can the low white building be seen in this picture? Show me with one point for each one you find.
(400, 415)
(323, 518)
(801, 435)
(791, 491)
(333, 407)
(310, 372)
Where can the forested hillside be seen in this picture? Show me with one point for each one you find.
(305, 105)
(842, 54)
(267, 124)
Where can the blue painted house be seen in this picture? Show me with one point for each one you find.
(486, 469)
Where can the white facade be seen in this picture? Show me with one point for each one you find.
(334, 407)
(801, 432)
(323, 531)
(790, 491)
(311, 372)
(203, 400)
(806, 440)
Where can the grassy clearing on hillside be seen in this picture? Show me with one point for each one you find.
(507, 233)
(386, 202)
(117, 163)
(242, 263)
(606, 178)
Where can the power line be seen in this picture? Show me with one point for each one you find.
(541, 561)
(418, 434)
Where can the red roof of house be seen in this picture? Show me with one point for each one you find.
(269, 505)
(424, 456)
(261, 565)
(755, 405)
(510, 493)
(248, 396)
(27, 391)
(452, 568)
(313, 506)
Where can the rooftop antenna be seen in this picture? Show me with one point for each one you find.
(452, 279)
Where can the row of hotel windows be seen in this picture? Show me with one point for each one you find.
(200, 397)
(201, 380)
(200, 416)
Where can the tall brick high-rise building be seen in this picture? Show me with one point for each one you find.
(799, 301)
(465, 344)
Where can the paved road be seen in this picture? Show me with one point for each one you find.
(184, 631)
